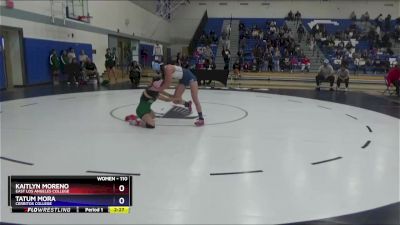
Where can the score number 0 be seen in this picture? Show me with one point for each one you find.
(121, 188)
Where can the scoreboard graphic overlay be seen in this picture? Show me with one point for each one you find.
(70, 194)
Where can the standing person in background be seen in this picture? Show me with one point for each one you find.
(71, 55)
(297, 17)
(236, 69)
(110, 64)
(225, 38)
(158, 52)
(185, 61)
(300, 32)
(226, 54)
(270, 62)
(305, 64)
(83, 58)
(74, 72)
(128, 59)
(54, 66)
(178, 60)
(144, 56)
(63, 61)
(388, 22)
(240, 56)
(312, 44)
(353, 16)
(277, 58)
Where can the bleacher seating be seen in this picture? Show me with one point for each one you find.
(336, 25)
(251, 43)
(213, 24)
(331, 26)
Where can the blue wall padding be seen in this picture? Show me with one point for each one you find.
(37, 52)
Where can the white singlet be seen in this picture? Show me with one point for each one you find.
(178, 74)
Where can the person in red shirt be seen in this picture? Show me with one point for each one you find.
(393, 77)
(305, 64)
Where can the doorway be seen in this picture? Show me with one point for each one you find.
(12, 50)
(126, 51)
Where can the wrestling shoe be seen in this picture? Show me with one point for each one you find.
(130, 118)
(134, 122)
(199, 122)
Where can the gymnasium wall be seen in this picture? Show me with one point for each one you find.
(186, 18)
(37, 57)
(119, 18)
(46, 32)
(126, 16)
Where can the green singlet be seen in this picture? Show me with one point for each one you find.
(145, 103)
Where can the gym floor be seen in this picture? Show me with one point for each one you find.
(276, 156)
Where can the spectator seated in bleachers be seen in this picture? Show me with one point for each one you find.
(208, 53)
(213, 36)
(254, 66)
(246, 67)
(343, 42)
(285, 64)
(358, 62)
(305, 64)
(337, 62)
(208, 38)
(294, 63)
